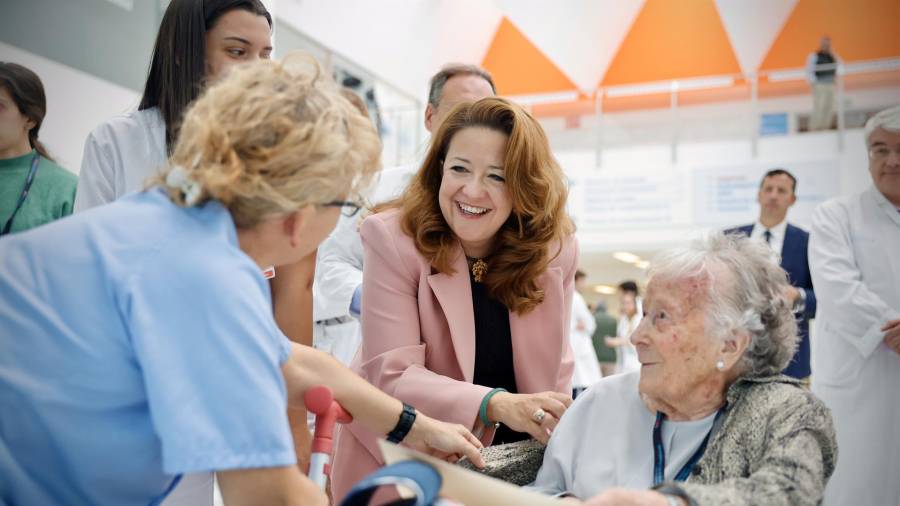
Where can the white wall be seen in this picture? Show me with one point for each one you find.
(76, 103)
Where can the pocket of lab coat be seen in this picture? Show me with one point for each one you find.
(836, 361)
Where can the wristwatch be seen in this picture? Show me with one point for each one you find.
(407, 418)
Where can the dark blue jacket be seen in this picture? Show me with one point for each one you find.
(794, 261)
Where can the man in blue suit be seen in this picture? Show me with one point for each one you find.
(777, 193)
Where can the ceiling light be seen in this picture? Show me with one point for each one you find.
(628, 258)
(605, 289)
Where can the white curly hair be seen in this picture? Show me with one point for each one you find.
(745, 295)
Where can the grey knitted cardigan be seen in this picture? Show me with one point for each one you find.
(775, 446)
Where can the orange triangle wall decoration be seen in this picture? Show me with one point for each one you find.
(858, 30)
(671, 40)
(519, 67)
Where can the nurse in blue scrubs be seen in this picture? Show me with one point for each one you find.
(137, 341)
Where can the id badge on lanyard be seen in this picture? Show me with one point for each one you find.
(659, 452)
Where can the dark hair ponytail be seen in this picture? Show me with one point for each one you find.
(27, 91)
(178, 66)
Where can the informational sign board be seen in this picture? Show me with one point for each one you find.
(727, 196)
(704, 197)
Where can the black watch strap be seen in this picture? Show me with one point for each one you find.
(407, 418)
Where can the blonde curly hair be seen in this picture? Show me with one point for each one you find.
(272, 138)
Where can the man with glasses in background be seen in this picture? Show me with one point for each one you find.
(337, 290)
(854, 252)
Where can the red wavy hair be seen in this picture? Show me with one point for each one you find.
(532, 235)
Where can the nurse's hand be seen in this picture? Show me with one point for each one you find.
(445, 441)
(535, 414)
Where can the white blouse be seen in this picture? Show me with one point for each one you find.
(119, 155)
(605, 440)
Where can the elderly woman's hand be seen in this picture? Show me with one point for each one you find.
(536, 414)
(626, 497)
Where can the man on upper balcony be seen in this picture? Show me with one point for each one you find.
(777, 193)
(821, 68)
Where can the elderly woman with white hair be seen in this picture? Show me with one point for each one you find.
(709, 419)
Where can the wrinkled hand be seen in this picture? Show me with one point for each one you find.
(517, 411)
(891, 331)
(625, 497)
(445, 441)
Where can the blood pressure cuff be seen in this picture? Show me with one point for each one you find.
(418, 477)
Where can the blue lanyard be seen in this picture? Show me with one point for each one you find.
(659, 452)
(35, 161)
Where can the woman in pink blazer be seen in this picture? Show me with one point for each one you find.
(468, 287)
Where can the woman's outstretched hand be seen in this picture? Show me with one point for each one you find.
(443, 440)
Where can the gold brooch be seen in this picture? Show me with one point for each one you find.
(479, 269)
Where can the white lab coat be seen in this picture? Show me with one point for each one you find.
(339, 266)
(626, 355)
(587, 368)
(854, 255)
(119, 156)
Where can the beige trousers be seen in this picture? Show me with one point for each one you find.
(823, 106)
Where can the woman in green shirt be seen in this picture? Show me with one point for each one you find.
(33, 189)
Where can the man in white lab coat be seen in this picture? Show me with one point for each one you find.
(337, 288)
(854, 254)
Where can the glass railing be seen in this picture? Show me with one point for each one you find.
(672, 113)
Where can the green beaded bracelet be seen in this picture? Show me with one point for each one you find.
(482, 412)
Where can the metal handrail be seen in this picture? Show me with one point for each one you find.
(675, 86)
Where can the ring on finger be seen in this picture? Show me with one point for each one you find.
(539, 415)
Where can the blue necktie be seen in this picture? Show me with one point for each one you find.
(767, 236)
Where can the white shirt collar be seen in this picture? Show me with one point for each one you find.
(777, 231)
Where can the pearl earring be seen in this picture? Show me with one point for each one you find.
(720, 365)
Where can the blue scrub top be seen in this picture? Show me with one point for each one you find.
(137, 343)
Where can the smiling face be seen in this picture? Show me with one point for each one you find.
(238, 36)
(884, 163)
(678, 358)
(473, 196)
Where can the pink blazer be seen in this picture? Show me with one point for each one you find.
(418, 345)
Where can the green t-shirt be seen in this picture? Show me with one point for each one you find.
(606, 327)
(51, 196)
